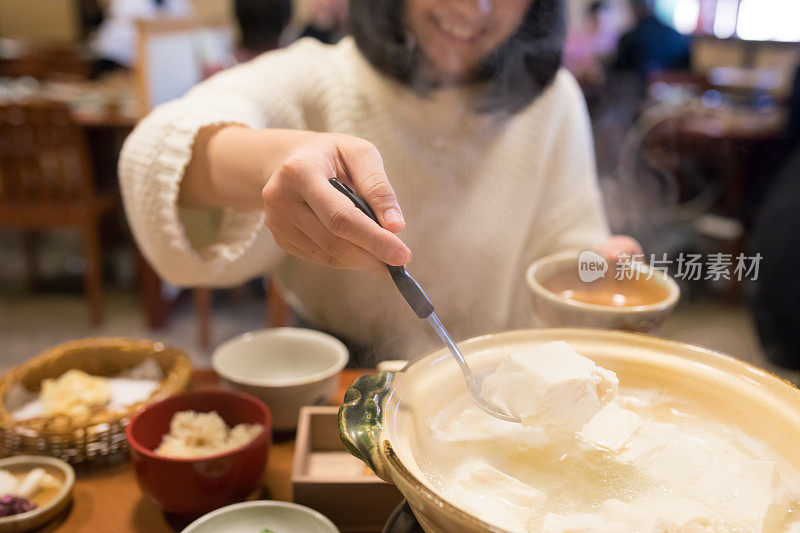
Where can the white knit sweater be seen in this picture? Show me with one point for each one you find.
(482, 196)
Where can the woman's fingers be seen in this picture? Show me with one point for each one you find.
(346, 252)
(293, 240)
(343, 219)
(297, 230)
(619, 245)
(299, 198)
(364, 166)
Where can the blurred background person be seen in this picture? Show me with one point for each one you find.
(114, 43)
(91, 15)
(591, 44)
(776, 236)
(651, 46)
(793, 122)
(261, 25)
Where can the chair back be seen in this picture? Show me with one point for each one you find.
(43, 155)
(173, 55)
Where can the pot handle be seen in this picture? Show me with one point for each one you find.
(361, 419)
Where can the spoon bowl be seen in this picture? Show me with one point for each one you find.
(474, 384)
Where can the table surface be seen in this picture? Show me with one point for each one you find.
(108, 499)
(105, 119)
(106, 103)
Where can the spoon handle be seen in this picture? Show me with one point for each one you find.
(407, 285)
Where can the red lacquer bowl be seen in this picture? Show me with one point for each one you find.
(196, 486)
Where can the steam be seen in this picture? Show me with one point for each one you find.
(642, 196)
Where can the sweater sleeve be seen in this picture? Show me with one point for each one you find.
(573, 208)
(206, 247)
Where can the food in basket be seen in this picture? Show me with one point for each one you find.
(192, 434)
(645, 461)
(25, 491)
(138, 372)
(74, 393)
(79, 395)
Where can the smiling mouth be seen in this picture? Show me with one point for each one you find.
(457, 30)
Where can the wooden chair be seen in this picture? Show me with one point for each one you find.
(46, 182)
(173, 55)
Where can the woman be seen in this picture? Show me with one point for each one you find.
(454, 109)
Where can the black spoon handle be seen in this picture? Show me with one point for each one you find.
(407, 285)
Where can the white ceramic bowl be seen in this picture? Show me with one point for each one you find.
(287, 368)
(556, 311)
(259, 515)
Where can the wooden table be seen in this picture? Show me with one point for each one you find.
(108, 500)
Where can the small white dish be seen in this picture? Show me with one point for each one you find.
(49, 509)
(263, 515)
(287, 368)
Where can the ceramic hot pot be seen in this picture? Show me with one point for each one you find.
(383, 414)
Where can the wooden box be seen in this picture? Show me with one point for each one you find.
(327, 478)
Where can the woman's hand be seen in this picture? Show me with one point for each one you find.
(619, 245)
(310, 219)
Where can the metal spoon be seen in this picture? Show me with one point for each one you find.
(422, 306)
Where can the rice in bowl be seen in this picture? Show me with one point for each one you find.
(192, 435)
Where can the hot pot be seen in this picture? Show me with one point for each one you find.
(383, 414)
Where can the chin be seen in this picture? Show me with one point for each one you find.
(450, 70)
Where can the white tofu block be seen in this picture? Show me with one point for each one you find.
(646, 442)
(634, 518)
(653, 514)
(680, 462)
(31, 483)
(787, 489)
(726, 438)
(551, 386)
(8, 483)
(739, 489)
(495, 497)
(611, 428)
(463, 421)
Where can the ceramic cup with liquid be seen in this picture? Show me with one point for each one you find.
(638, 300)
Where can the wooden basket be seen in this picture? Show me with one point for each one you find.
(102, 434)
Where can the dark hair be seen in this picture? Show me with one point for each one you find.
(517, 72)
(261, 22)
